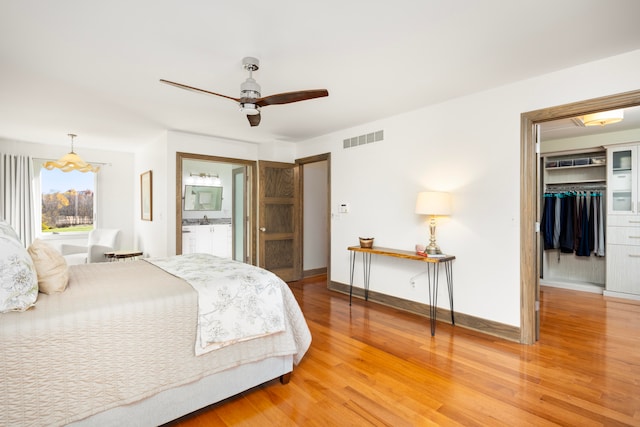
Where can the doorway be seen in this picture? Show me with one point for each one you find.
(315, 185)
(237, 209)
(529, 199)
(243, 177)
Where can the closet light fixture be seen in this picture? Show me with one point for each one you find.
(433, 203)
(603, 118)
(71, 161)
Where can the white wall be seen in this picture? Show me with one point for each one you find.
(151, 237)
(468, 146)
(115, 191)
(159, 235)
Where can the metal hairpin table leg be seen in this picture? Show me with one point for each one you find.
(366, 264)
(352, 264)
(432, 276)
(448, 269)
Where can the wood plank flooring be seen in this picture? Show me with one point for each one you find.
(374, 365)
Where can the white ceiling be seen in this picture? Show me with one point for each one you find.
(92, 67)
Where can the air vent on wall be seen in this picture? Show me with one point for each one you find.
(363, 139)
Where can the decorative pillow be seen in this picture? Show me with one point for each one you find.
(53, 273)
(18, 278)
(7, 230)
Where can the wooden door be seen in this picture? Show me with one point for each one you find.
(279, 224)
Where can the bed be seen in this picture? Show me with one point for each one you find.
(119, 343)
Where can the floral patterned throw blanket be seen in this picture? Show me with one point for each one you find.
(236, 301)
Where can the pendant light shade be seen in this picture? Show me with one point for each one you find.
(71, 161)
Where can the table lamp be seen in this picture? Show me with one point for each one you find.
(433, 203)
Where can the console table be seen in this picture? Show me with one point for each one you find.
(433, 272)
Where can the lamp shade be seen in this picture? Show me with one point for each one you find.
(603, 118)
(433, 203)
(71, 161)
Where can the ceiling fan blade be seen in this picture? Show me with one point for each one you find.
(195, 89)
(254, 119)
(289, 97)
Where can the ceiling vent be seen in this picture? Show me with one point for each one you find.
(577, 121)
(363, 139)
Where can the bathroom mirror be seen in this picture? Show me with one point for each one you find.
(202, 198)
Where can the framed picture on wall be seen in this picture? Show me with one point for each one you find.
(146, 196)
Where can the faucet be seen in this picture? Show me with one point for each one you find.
(205, 220)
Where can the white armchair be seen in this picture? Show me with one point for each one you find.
(101, 240)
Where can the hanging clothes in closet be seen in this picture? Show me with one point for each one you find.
(573, 222)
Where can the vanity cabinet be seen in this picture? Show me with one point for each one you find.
(212, 239)
(222, 240)
(623, 222)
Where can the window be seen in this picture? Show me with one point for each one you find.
(67, 201)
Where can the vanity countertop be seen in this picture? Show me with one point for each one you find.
(210, 221)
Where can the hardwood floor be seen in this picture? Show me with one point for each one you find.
(373, 365)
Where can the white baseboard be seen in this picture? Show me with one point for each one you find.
(575, 286)
(621, 295)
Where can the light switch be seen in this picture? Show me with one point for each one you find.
(344, 208)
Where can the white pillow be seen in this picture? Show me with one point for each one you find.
(18, 278)
(53, 274)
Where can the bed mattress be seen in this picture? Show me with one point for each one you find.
(121, 332)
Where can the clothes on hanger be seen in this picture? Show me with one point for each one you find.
(573, 222)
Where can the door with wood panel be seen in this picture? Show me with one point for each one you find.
(279, 224)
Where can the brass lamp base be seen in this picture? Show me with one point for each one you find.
(432, 248)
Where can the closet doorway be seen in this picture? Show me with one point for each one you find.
(573, 210)
(315, 184)
(530, 197)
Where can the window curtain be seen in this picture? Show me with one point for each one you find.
(16, 195)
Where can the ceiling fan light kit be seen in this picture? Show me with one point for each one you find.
(250, 100)
(249, 109)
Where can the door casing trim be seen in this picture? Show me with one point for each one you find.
(180, 156)
(529, 181)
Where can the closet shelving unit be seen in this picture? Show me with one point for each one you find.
(573, 171)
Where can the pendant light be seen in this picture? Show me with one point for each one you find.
(71, 161)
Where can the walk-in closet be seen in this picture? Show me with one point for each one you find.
(572, 226)
(589, 205)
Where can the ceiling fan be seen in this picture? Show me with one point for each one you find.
(250, 100)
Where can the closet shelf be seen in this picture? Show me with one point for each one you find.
(582, 181)
(555, 168)
(574, 161)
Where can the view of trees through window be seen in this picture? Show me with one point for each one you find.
(67, 200)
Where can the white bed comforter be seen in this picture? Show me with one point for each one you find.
(236, 301)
